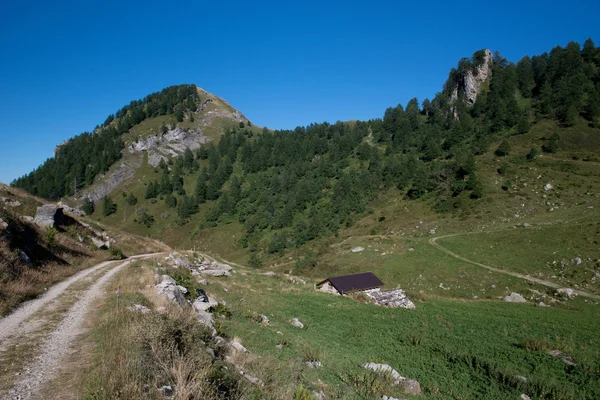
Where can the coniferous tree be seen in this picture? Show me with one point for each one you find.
(108, 206)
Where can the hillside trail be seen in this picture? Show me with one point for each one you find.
(433, 241)
(57, 342)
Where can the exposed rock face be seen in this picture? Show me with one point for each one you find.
(473, 81)
(49, 216)
(172, 143)
(114, 178)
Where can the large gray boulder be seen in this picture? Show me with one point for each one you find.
(168, 288)
(204, 304)
(515, 297)
(49, 216)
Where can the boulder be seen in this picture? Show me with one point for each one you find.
(314, 364)
(49, 216)
(514, 298)
(576, 261)
(100, 244)
(296, 322)
(24, 257)
(270, 273)
(524, 397)
(26, 218)
(236, 348)
(218, 265)
(214, 272)
(432, 232)
(3, 225)
(567, 359)
(169, 289)
(570, 293)
(548, 186)
(264, 320)
(357, 249)
(410, 386)
(200, 304)
(205, 318)
(253, 380)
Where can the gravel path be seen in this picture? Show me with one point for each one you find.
(12, 324)
(542, 282)
(45, 365)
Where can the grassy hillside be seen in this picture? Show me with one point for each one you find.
(454, 348)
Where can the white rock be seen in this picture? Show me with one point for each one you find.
(139, 308)
(296, 322)
(201, 305)
(576, 261)
(236, 347)
(385, 369)
(514, 298)
(357, 249)
(524, 397)
(570, 293)
(314, 364)
(548, 186)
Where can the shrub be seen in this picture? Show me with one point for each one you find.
(51, 237)
(117, 253)
(254, 261)
(503, 150)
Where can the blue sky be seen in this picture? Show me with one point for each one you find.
(65, 66)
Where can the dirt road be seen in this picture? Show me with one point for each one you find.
(39, 370)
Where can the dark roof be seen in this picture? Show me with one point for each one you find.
(349, 283)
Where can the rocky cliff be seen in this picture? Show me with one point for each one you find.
(471, 81)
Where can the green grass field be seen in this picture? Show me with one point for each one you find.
(454, 348)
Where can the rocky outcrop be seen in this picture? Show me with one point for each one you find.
(472, 81)
(111, 180)
(49, 216)
(168, 288)
(410, 386)
(395, 298)
(514, 298)
(170, 144)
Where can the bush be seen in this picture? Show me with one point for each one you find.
(254, 261)
(51, 237)
(503, 150)
(309, 261)
(117, 253)
(532, 154)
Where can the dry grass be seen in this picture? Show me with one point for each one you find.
(137, 354)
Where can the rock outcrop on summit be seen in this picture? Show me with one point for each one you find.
(471, 81)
